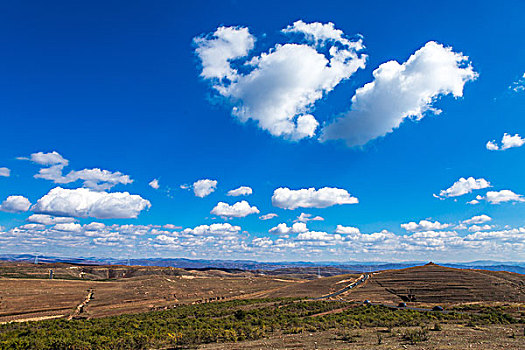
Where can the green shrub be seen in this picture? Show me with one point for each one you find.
(416, 335)
(228, 321)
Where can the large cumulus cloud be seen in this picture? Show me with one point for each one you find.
(83, 202)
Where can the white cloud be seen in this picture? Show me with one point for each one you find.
(478, 219)
(311, 198)
(518, 85)
(492, 146)
(223, 239)
(221, 229)
(308, 217)
(68, 227)
(401, 91)
(464, 186)
(474, 201)
(94, 226)
(356, 237)
(347, 230)
(154, 184)
(268, 216)
(319, 33)
(461, 226)
(506, 236)
(424, 225)
(83, 202)
(280, 229)
(237, 210)
(262, 242)
(96, 179)
(204, 187)
(15, 204)
(171, 227)
(218, 50)
(5, 172)
(165, 239)
(47, 159)
(318, 236)
(507, 142)
(476, 228)
(241, 191)
(49, 220)
(283, 229)
(429, 241)
(497, 197)
(37, 227)
(280, 86)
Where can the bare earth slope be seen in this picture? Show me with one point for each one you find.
(132, 289)
(437, 284)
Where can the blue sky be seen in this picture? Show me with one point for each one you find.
(146, 91)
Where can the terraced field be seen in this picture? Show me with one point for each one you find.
(434, 284)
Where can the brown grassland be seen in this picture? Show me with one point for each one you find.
(487, 307)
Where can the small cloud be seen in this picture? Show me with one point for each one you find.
(96, 179)
(507, 142)
(171, 227)
(518, 85)
(308, 217)
(311, 198)
(68, 227)
(237, 210)
(497, 197)
(241, 191)
(268, 216)
(347, 230)
(478, 219)
(49, 220)
(5, 172)
(463, 186)
(283, 229)
(154, 184)
(204, 187)
(47, 159)
(15, 204)
(424, 225)
(477, 228)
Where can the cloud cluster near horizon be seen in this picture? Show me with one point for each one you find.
(298, 239)
(58, 219)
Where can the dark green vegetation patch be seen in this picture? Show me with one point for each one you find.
(230, 321)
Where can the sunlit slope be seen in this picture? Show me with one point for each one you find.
(437, 284)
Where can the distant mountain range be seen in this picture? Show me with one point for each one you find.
(518, 267)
